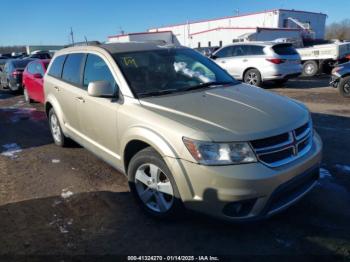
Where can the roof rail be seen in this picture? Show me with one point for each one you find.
(85, 43)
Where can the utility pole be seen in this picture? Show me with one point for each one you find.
(237, 12)
(72, 35)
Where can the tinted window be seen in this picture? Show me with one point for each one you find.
(239, 50)
(284, 49)
(255, 50)
(31, 68)
(96, 69)
(72, 68)
(57, 65)
(225, 52)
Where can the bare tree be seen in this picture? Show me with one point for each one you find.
(339, 30)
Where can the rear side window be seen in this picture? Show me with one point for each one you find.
(255, 50)
(72, 68)
(96, 69)
(284, 49)
(56, 67)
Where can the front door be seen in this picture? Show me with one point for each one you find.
(98, 115)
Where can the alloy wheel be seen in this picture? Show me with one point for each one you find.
(154, 188)
(346, 88)
(252, 78)
(55, 128)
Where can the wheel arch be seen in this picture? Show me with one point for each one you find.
(141, 137)
(51, 102)
(247, 69)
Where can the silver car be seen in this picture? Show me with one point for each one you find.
(256, 62)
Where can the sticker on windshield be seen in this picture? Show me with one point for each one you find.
(129, 61)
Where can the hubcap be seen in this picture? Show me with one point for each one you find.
(154, 188)
(309, 69)
(347, 88)
(55, 128)
(252, 79)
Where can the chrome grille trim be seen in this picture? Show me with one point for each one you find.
(293, 143)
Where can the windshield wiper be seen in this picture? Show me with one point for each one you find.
(209, 84)
(158, 92)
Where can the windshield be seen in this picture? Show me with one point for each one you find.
(159, 72)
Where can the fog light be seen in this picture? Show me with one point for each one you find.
(239, 209)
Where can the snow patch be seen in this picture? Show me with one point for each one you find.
(63, 229)
(66, 194)
(11, 150)
(344, 168)
(55, 161)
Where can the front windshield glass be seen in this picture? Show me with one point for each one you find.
(159, 72)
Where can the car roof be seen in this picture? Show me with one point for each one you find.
(114, 48)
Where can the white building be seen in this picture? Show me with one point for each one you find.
(261, 26)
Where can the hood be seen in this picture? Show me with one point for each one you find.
(235, 113)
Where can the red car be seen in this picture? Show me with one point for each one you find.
(33, 80)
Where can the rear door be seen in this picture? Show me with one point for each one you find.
(69, 90)
(98, 115)
(38, 82)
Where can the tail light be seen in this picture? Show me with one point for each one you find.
(16, 73)
(276, 61)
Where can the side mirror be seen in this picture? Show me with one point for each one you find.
(213, 57)
(38, 76)
(101, 89)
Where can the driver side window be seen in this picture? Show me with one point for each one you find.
(96, 70)
(225, 52)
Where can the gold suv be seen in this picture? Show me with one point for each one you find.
(185, 133)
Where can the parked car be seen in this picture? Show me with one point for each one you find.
(33, 82)
(341, 79)
(207, 51)
(11, 74)
(184, 138)
(256, 62)
(40, 55)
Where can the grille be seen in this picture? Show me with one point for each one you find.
(284, 148)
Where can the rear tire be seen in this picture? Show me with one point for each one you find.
(344, 87)
(59, 138)
(252, 77)
(153, 185)
(310, 68)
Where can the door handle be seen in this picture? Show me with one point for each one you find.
(57, 88)
(245, 60)
(223, 62)
(80, 99)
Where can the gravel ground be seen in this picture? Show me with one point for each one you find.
(57, 202)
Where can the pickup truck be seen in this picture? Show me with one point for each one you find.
(322, 58)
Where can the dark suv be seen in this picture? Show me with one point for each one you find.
(11, 74)
(341, 79)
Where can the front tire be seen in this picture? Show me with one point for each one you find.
(59, 138)
(252, 77)
(153, 185)
(344, 87)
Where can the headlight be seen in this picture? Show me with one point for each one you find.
(208, 153)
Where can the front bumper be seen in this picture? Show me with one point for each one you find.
(334, 81)
(250, 191)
